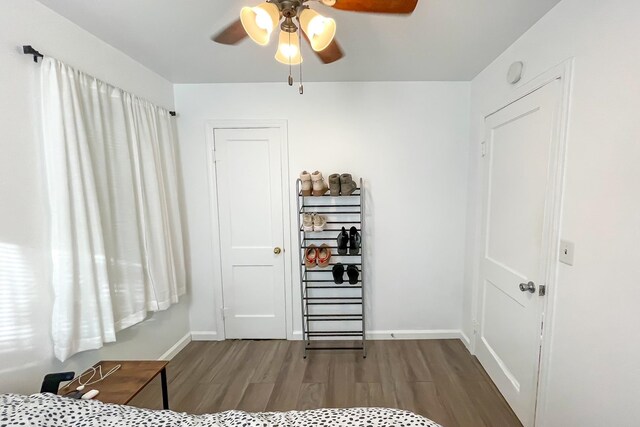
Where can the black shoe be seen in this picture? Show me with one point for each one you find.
(338, 274)
(353, 273)
(343, 242)
(354, 241)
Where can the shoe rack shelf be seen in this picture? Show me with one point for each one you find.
(332, 313)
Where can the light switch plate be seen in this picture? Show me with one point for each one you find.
(566, 252)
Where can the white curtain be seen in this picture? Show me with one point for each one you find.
(116, 235)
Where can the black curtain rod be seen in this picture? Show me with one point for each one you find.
(29, 50)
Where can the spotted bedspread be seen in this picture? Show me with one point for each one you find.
(47, 410)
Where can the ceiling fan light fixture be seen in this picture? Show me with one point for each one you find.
(319, 29)
(289, 49)
(260, 21)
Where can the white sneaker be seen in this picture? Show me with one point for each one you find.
(319, 222)
(307, 221)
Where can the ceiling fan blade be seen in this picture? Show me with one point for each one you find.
(331, 53)
(377, 6)
(233, 34)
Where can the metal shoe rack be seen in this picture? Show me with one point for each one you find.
(331, 311)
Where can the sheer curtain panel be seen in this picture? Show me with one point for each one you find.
(117, 248)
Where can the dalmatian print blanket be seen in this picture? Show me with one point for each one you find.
(47, 410)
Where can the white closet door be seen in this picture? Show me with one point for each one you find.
(249, 185)
(520, 141)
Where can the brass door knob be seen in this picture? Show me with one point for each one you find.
(277, 251)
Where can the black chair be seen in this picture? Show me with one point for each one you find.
(51, 382)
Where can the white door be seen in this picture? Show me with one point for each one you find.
(249, 184)
(518, 182)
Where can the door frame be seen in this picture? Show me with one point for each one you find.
(564, 73)
(210, 128)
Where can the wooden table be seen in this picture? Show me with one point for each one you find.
(124, 384)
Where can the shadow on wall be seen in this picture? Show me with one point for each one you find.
(26, 347)
(20, 305)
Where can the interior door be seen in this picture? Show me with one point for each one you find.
(518, 178)
(249, 185)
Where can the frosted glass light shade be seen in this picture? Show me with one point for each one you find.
(289, 49)
(319, 29)
(260, 21)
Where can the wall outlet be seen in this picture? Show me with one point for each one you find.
(566, 252)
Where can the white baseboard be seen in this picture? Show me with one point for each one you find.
(466, 341)
(176, 348)
(204, 336)
(429, 334)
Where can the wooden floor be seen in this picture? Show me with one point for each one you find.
(435, 378)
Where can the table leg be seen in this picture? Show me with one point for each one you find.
(165, 394)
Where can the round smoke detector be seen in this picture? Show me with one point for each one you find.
(515, 72)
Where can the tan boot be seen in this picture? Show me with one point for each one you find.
(347, 185)
(334, 185)
(319, 186)
(306, 187)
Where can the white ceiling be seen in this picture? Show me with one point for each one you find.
(442, 40)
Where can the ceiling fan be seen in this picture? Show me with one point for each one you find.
(261, 21)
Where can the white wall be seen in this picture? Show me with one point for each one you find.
(407, 140)
(594, 373)
(25, 296)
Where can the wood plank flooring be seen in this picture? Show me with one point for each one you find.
(435, 378)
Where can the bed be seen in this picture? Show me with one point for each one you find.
(48, 410)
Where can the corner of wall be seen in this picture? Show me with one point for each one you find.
(176, 348)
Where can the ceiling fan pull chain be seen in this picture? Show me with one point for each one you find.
(290, 67)
(301, 89)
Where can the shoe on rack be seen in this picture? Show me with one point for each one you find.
(306, 186)
(324, 255)
(343, 242)
(347, 185)
(307, 221)
(355, 241)
(353, 273)
(338, 274)
(319, 222)
(334, 185)
(319, 186)
(311, 256)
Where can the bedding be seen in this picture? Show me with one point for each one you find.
(48, 410)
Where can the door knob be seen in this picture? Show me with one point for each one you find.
(528, 287)
(277, 251)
